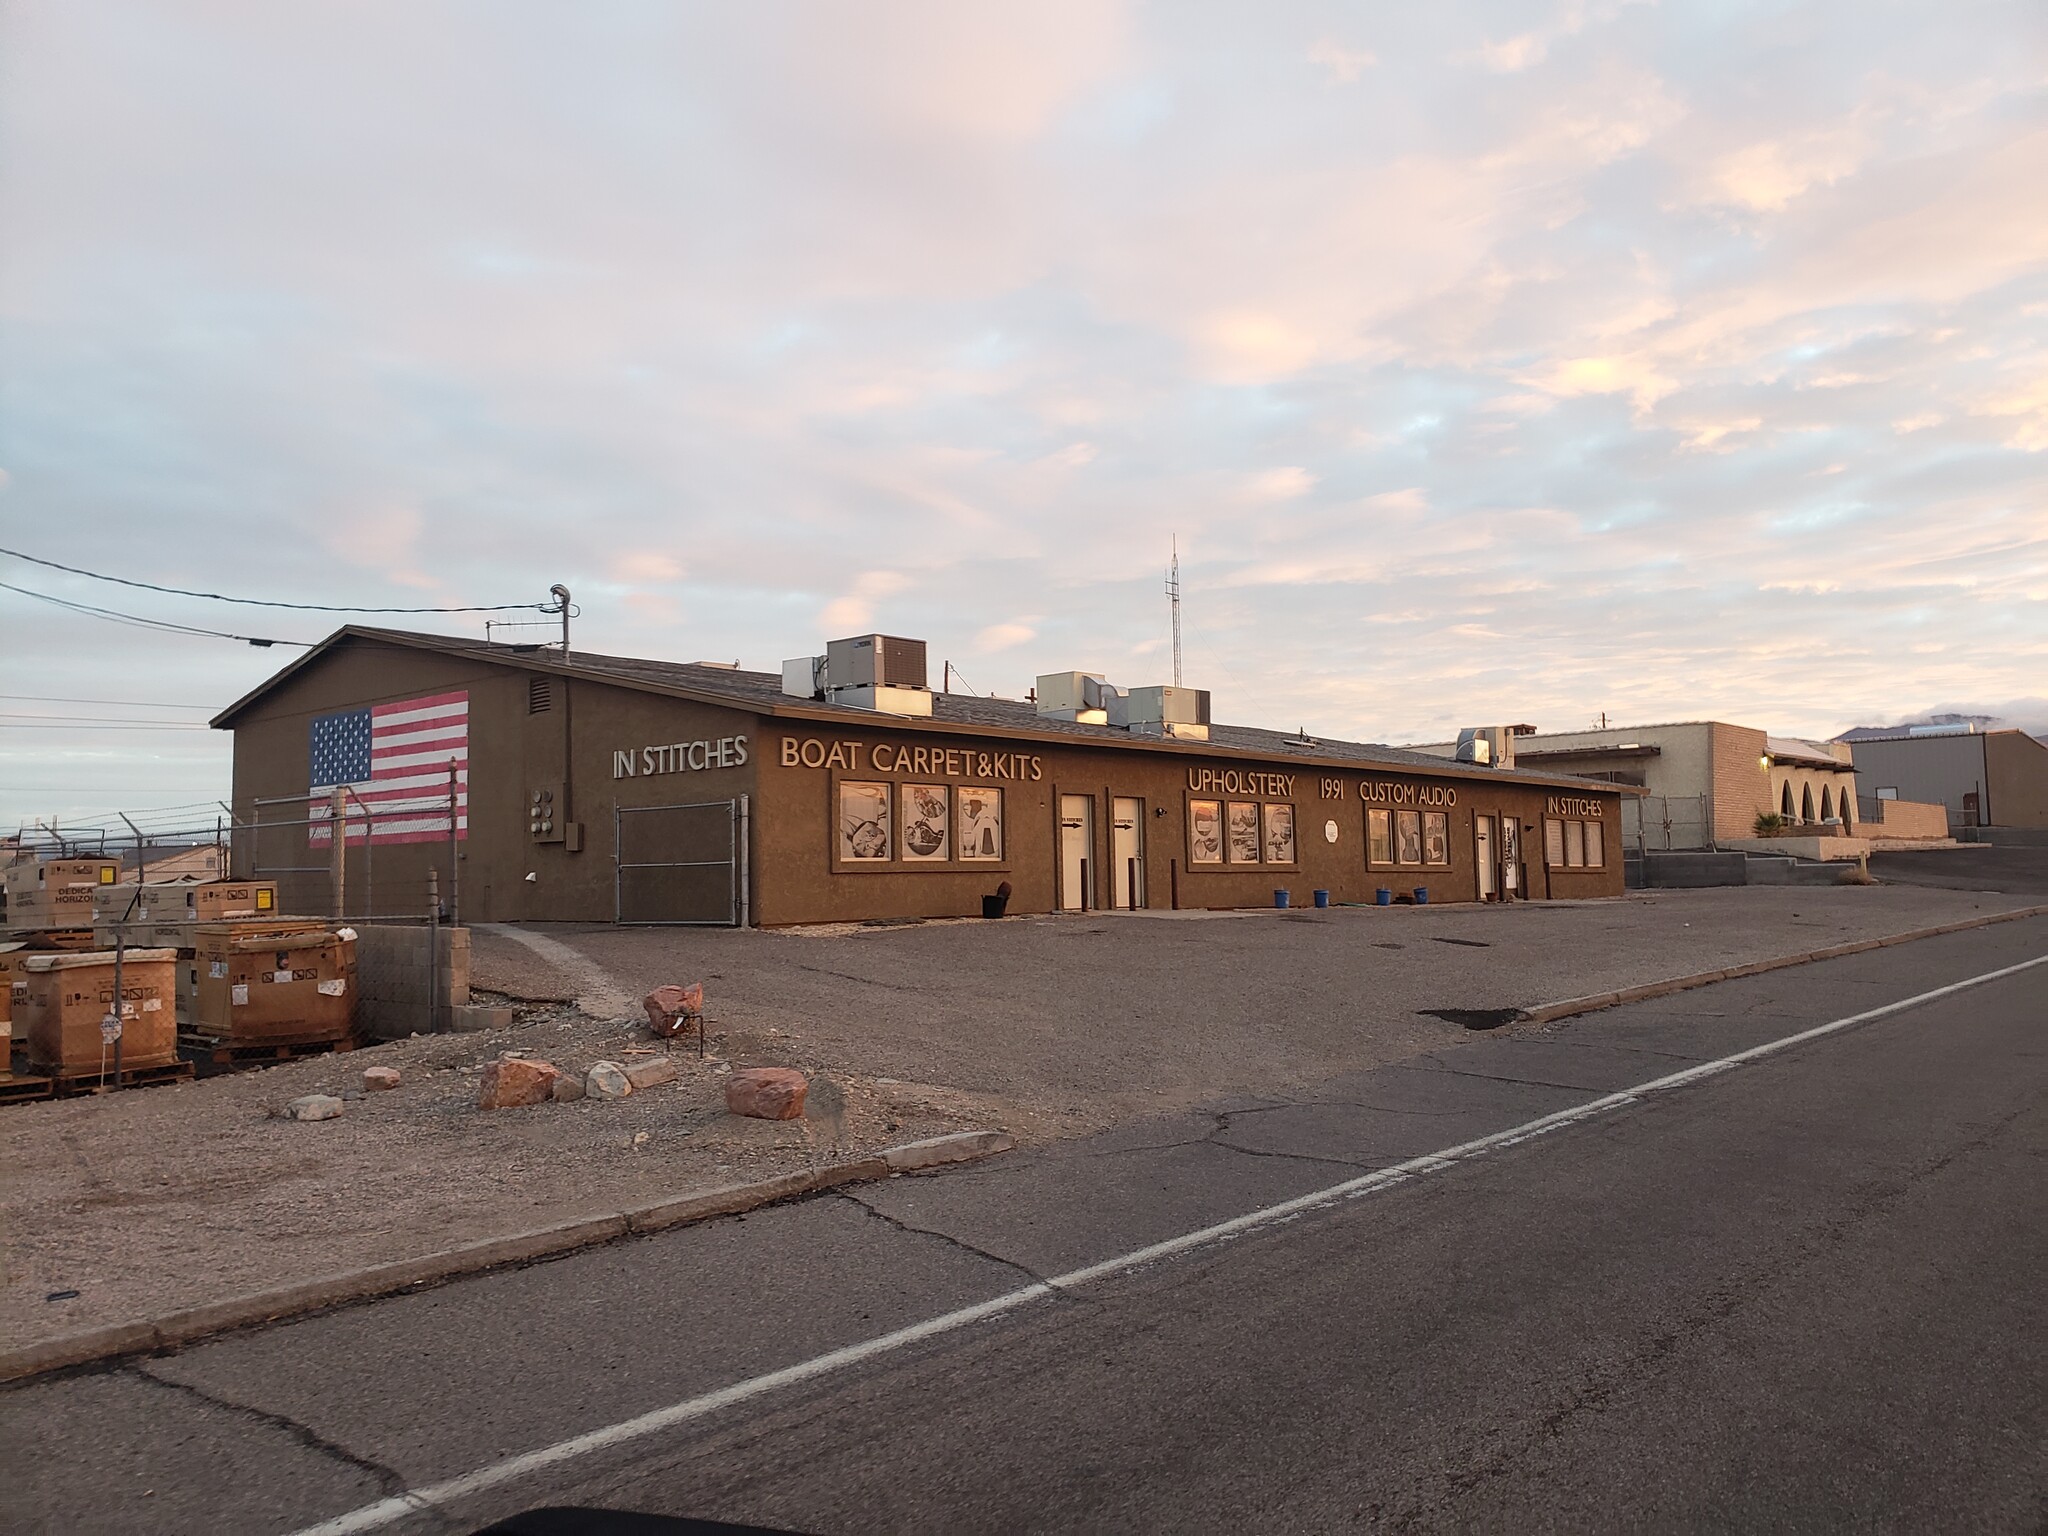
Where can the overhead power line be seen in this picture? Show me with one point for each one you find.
(59, 698)
(266, 602)
(142, 623)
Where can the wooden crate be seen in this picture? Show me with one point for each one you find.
(183, 901)
(272, 981)
(63, 907)
(29, 877)
(65, 997)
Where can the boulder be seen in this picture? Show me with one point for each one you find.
(378, 1079)
(767, 1093)
(315, 1106)
(673, 1010)
(650, 1071)
(605, 1080)
(567, 1090)
(513, 1081)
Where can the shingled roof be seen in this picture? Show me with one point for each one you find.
(761, 693)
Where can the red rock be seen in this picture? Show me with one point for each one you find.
(514, 1081)
(673, 1011)
(377, 1079)
(767, 1093)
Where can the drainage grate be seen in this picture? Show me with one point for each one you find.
(1473, 1018)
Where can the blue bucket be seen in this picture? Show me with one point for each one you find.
(1279, 898)
(1422, 895)
(1383, 897)
(1322, 898)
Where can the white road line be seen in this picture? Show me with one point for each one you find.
(438, 1495)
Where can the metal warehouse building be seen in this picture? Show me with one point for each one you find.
(541, 785)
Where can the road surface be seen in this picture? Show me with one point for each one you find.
(1800, 1292)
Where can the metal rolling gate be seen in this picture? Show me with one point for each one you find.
(1660, 823)
(681, 864)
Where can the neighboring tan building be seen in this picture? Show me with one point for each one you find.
(1983, 778)
(1705, 782)
(551, 787)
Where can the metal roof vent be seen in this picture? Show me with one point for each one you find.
(885, 673)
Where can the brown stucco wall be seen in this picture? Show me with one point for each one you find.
(512, 752)
(799, 881)
(790, 775)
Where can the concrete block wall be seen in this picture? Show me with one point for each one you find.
(392, 990)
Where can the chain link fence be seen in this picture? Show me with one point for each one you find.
(1663, 823)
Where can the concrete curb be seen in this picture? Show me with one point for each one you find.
(194, 1323)
(1545, 1013)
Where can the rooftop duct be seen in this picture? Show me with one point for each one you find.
(1182, 713)
(1489, 745)
(1083, 697)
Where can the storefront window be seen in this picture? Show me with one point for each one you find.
(981, 823)
(1574, 844)
(863, 822)
(1408, 836)
(927, 823)
(1205, 832)
(1436, 837)
(1379, 837)
(1279, 834)
(1244, 832)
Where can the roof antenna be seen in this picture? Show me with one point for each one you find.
(560, 594)
(1173, 592)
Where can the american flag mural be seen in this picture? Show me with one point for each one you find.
(394, 760)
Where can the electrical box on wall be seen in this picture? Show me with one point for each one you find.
(545, 810)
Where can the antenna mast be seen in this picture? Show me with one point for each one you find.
(1173, 592)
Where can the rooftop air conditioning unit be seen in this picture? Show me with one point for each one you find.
(1182, 713)
(1078, 696)
(879, 672)
(875, 661)
(1489, 745)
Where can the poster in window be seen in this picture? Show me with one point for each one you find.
(863, 822)
(1408, 837)
(1596, 846)
(927, 823)
(981, 823)
(1205, 832)
(1279, 834)
(1436, 837)
(1244, 832)
(1379, 837)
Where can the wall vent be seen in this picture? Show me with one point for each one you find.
(540, 695)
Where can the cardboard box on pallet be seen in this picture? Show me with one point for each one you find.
(273, 981)
(185, 901)
(65, 997)
(11, 954)
(26, 877)
(65, 906)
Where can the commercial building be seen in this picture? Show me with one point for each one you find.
(1704, 782)
(543, 785)
(1983, 778)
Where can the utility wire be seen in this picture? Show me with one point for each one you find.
(142, 623)
(59, 698)
(265, 602)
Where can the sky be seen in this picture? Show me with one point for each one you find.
(1487, 362)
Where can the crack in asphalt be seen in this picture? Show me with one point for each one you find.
(390, 1483)
(1437, 1065)
(945, 1237)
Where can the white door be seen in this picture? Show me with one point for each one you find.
(1077, 851)
(1127, 853)
(1482, 835)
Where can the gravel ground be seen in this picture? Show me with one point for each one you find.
(162, 1198)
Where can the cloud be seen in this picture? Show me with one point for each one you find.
(1344, 65)
(1656, 359)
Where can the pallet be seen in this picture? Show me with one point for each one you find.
(241, 1052)
(21, 1087)
(65, 1086)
